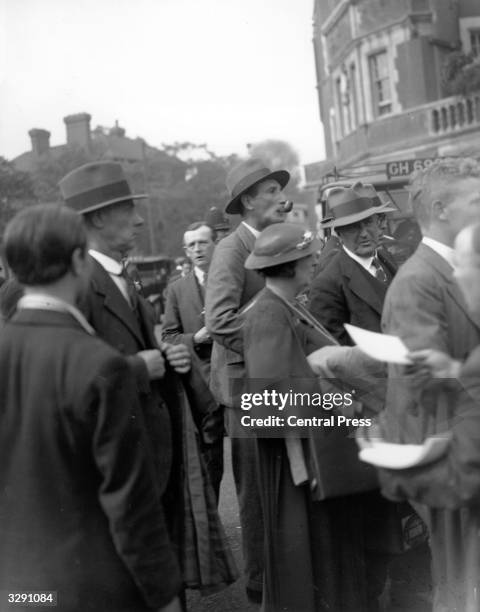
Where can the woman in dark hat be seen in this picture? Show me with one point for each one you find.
(314, 555)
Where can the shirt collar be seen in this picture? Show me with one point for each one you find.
(365, 262)
(200, 274)
(441, 249)
(43, 301)
(110, 265)
(254, 231)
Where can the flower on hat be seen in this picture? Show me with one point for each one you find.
(307, 238)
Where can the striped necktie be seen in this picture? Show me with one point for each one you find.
(380, 273)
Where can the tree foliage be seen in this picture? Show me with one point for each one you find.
(16, 192)
(460, 74)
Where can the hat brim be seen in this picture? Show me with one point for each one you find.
(259, 262)
(140, 196)
(234, 206)
(355, 218)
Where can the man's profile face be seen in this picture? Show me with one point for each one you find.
(361, 238)
(267, 204)
(467, 270)
(122, 225)
(199, 246)
(464, 207)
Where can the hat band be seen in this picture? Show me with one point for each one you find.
(97, 195)
(250, 180)
(345, 209)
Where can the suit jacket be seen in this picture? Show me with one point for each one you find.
(80, 513)
(184, 316)
(230, 287)
(450, 488)
(115, 322)
(425, 308)
(344, 292)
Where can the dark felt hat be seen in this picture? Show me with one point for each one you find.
(352, 204)
(216, 219)
(280, 243)
(246, 174)
(95, 186)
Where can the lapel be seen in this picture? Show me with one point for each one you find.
(246, 237)
(360, 285)
(443, 269)
(114, 301)
(196, 293)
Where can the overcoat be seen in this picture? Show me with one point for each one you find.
(230, 287)
(450, 488)
(78, 506)
(314, 550)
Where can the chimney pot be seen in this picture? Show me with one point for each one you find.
(40, 140)
(78, 130)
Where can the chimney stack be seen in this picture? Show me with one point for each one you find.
(40, 141)
(78, 130)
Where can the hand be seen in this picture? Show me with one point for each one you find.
(178, 356)
(202, 336)
(430, 363)
(155, 363)
(320, 359)
(173, 606)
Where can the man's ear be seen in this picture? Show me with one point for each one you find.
(246, 200)
(79, 261)
(439, 210)
(96, 219)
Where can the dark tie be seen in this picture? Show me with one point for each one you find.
(133, 287)
(380, 273)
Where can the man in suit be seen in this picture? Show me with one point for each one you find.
(256, 194)
(100, 192)
(425, 308)
(184, 322)
(352, 286)
(351, 289)
(81, 511)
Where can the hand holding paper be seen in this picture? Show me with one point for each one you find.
(383, 347)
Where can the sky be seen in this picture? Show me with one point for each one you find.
(221, 72)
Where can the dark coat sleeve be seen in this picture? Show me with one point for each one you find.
(172, 328)
(454, 480)
(127, 490)
(328, 303)
(274, 354)
(226, 280)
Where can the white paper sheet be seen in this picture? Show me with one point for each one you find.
(383, 347)
(403, 456)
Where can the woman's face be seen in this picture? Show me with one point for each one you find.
(304, 272)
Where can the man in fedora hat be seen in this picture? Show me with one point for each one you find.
(352, 286)
(256, 194)
(100, 192)
(351, 289)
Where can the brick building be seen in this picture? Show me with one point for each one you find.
(379, 81)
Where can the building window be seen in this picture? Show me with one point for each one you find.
(380, 80)
(353, 89)
(475, 42)
(341, 123)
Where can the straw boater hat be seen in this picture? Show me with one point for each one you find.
(247, 174)
(280, 243)
(352, 204)
(95, 186)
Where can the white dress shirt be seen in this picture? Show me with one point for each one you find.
(43, 301)
(441, 249)
(114, 269)
(365, 262)
(254, 231)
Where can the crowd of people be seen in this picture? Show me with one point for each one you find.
(112, 429)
